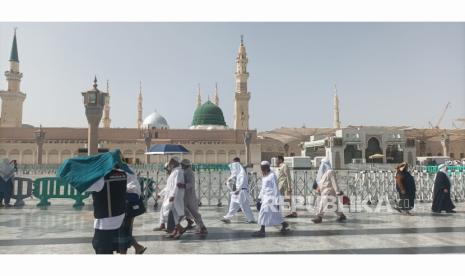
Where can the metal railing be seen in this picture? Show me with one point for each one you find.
(368, 186)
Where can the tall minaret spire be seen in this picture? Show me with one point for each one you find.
(14, 49)
(242, 96)
(216, 98)
(139, 107)
(12, 98)
(336, 121)
(199, 97)
(106, 109)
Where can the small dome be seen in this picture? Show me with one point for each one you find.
(208, 114)
(155, 120)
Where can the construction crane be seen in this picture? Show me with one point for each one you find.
(436, 126)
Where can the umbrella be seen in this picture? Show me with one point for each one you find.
(376, 156)
(164, 149)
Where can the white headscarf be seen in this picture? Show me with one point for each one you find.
(324, 167)
(236, 168)
(443, 168)
(7, 170)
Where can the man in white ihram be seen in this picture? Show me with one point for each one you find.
(174, 198)
(239, 193)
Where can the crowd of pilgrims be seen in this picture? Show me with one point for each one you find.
(117, 196)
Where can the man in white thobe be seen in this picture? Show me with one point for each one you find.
(163, 212)
(239, 193)
(269, 214)
(174, 199)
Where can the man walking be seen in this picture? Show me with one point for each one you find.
(285, 185)
(239, 192)
(329, 190)
(174, 199)
(191, 203)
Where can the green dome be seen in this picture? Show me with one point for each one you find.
(208, 114)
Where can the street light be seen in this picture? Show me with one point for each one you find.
(94, 101)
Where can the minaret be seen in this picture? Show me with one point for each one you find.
(216, 98)
(13, 98)
(336, 121)
(242, 96)
(199, 97)
(106, 109)
(139, 107)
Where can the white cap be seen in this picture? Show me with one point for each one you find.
(265, 163)
(441, 166)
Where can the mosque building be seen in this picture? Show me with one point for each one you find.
(209, 139)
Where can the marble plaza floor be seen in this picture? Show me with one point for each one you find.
(62, 230)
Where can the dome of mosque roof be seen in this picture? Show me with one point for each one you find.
(155, 120)
(208, 114)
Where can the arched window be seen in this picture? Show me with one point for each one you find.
(222, 158)
(28, 157)
(52, 157)
(65, 154)
(373, 147)
(140, 156)
(231, 155)
(198, 157)
(14, 155)
(210, 157)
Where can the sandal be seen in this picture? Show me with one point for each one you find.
(292, 215)
(142, 251)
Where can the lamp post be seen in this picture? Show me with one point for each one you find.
(247, 140)
(148, 143)
(94, 100)
(39, 136)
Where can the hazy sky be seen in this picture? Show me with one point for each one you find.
(386, 73)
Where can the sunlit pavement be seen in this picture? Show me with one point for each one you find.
(63, 230)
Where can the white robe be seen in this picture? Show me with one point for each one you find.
(172, 190)
(328, 191)
(241, 200)
(270, 214)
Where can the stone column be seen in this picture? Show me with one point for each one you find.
(384, 154)
(445, 143)
(148, 143)
(94, 100)
(247, 140)
(39, 136)
(92, 134)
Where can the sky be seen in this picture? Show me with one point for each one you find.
(386, 73)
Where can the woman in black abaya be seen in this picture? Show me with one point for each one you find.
(441, 192)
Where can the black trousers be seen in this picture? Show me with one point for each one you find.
(6, 189)
(106, 241)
